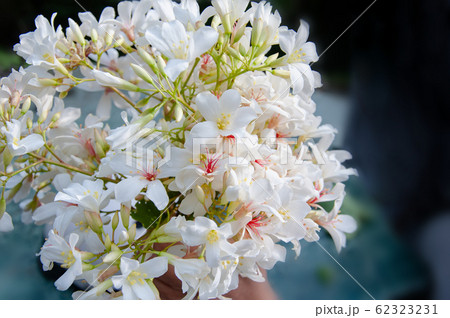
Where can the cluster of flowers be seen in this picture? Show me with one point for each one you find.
(220, 159)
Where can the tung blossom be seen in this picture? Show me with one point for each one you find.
(57, 250)
(135, 278)
(19, 146)
(223, 115)
(179, 45)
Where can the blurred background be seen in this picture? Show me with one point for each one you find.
(386, 84)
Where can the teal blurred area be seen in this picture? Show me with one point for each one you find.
(21, 273)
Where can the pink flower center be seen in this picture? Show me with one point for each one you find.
(210, 162)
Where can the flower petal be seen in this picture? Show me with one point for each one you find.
(6, 224)
(157, 194)
(129, 188)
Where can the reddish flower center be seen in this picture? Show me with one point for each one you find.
(210, 162)
(150, 175)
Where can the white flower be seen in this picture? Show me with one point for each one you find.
(131, 17)
(73, 220)
(337, 227)
(205, 231)
(90, 195)
(18, 146)
(39, 47)
(135, 280)
(230, 11)
(223, 115)
(265, 26)
(180, 46)
(288, 214)
(299, 55)
(6, 224)
(335, 223)
(57, 250)
(189, 271)
(138, 178)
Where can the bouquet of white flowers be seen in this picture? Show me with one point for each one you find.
(219, 160)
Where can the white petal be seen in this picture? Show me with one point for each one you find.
(212, 254)
(204, 39)
(155, 267)
(129, 188)
(243, 116)
(143, 291)
(128, 265)
(29, 143)
(64, 282)
(128, 293)
(6, 224)
(230, 101)
(287, 40)
(208, 105)
(174, 67)
(205, 129)
(346, 223)
(157, 194)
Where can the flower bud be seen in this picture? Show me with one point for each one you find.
(56, 117)
(2, 206)
(200, 194)
(226, 22)
(94, 35)
(47, 82)
(94, 221)
(14, 100)
(112, 256)
(148, 59)
(234, 53)
(161, 64)
(63, 94)
(115, 221)
(87, 267)
(123, 237)
(178, 112)
(256, 32)
(259, 60)
(142, 73)
(238, 34)
(7, 157)
(42, 117)
(242, 50)
(271, 59)
(282, 73)
(131, 233)
(106, 79)
(125, 215)
(29, 123)
(107, 242)
(77, 32)
(86, 255)
(109, 38)
(61, 68)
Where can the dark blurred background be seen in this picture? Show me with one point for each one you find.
(386, 84)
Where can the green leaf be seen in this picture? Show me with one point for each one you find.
(146, 213)
(328, 205)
